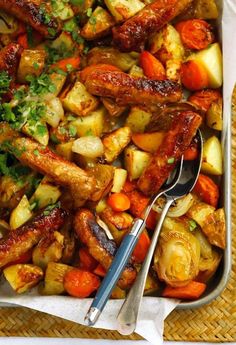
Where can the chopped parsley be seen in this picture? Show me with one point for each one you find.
(192, 225)
(49, 208)
(46, 18)
(56, 54)
(77, 2)
(72, 27)
(10, 167)
(40, 85)
(5, 81)
(171, 160)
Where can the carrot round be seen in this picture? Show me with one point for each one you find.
(102, 67)
(195, 33)
(141, 248)
(204, 98)
(79, 283)
(119, 202)
(207, 190)
(100, 271)
(86, 261)
(194, 75)
(67, 64)
(190, 292)
(152, 67)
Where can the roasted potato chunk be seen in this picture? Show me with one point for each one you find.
(31, 63)
(22, 277)
(21, 214)
(138, 119)
(103, 175)
(214, 228)
(54, 276)
(98, 25)
(78, 100)
(112, 107)
(199, 212)
(49, 249)
(136, 161)
(123, 9)
(118, 293)
(47, 193)
(115, 142)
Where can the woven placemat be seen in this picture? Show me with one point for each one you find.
(215, 322)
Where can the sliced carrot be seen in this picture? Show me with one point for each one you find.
(67, 64)
(191, 153)
(86, 261)
(195, 33)
(152, 67)
(79, 283)
(102, 67)
(100, 271)
(23, 40)
(207, 190)
(194, 75)
(204, 98)
(191, 291)
(151, 220)
(141, 248)
(118, 202)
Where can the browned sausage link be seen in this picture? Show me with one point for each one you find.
(34, 14)
(19, 241)
(9, 58)
(131, 36)
(99, 246)
(63, 172)
(128, 90)
(176, 141)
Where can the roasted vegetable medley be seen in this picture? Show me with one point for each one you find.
(98, 102)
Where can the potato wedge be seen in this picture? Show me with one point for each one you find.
(212, 162)
(91, 124)
(78, 100)
(54, 112)
(138, 119)
(199, 212)
(47, 193)
(22, 277)
(31, 63)
(49, 249)
(214, 228)
(21, 214)
(123, 9)
(62, 9)
(37, 130)
(211, 59)
(166, 44)
(148, 142)
(120, 176)
(118, 293)
(54, 277)
(58, 80)
(98, 25)
(65, 150)
(214, 115)
(136, 72)
(115, 142)
(136, 161)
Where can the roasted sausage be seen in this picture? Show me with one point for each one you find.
(128, 90)
(19, 241)
(34, 13)
(100, 247)
(9, 58)
(176, 141)
(43, 160)
(131, 36)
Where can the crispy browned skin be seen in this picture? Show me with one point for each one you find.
(63, 172)
(19, 241)
(131, 36)
(128, 90)
(176, 141)
(99, 246)
(32, 13)
(9, 58)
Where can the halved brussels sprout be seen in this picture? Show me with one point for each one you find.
(177, 255)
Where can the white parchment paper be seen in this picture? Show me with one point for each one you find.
(153, 310)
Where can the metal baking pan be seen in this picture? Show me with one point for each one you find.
(221, 277)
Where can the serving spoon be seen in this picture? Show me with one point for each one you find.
(130, 240)
(128, 314)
